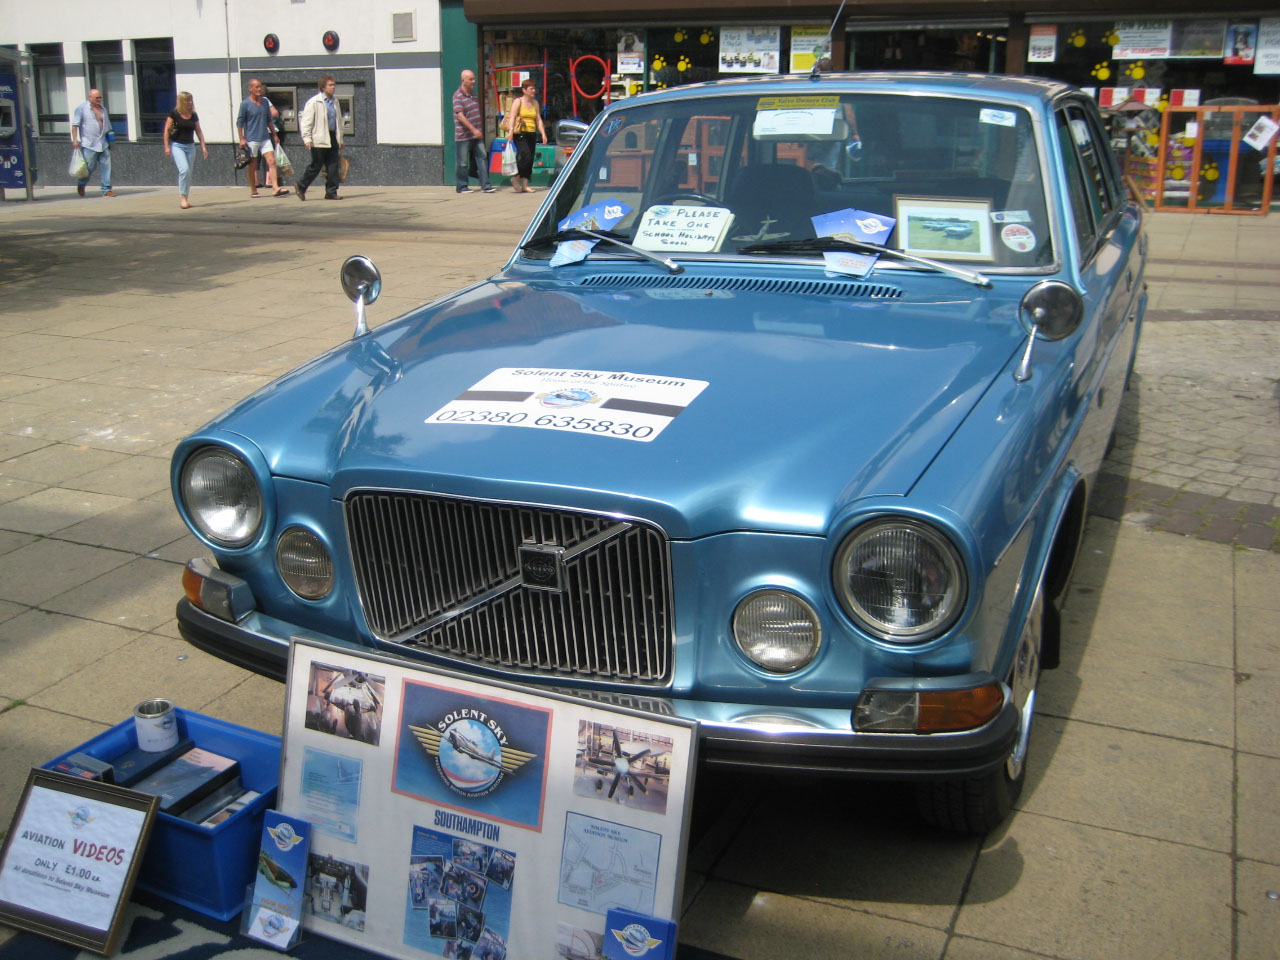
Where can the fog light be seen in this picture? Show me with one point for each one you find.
(304, 563)
(927, 711)
(777, 630)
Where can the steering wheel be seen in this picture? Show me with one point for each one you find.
(702, 198)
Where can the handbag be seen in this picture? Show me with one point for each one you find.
(509, 160)
(77, 167)
(283, 163)
(343, 166)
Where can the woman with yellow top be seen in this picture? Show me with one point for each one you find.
(524, 123)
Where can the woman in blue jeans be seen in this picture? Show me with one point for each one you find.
(181, 128)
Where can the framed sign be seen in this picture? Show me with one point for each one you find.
(71, 858)
(459, 818)
(955, 229)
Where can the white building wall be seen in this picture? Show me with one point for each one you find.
(207, 34)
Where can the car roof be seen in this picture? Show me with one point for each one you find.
(1026, 89)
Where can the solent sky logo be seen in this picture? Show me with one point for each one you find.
(474, 753)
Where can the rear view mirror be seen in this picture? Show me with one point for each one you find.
(362, 283)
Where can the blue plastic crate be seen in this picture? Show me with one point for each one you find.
(204, 868)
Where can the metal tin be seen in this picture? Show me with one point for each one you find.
(156, 725)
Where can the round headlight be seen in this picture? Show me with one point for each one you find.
(304, 563)
(222, 497)
(777, 630)
(901, 580)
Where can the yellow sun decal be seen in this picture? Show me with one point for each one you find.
(1177, 171)
(1153, 139)
(1209, 171)
(1163, 103)
(1077, 39)
(659, 85)
(1111, 38)
(659, 62)
(683, 64)
(707, 36)
(1135, 70)
(1102, 70)
(680, 35)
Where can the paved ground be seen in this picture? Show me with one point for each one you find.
(1149, 827)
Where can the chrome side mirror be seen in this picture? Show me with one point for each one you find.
(362, 282)
(1051, 310)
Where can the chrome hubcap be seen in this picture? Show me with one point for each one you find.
(1022, 684)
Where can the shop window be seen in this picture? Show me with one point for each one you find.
(105, 63)
(157, 83)
(50, 75)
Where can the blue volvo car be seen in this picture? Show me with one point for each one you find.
(783, 417)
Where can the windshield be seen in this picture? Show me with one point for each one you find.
(940, 177)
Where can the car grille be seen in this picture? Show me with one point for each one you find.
(444, 574)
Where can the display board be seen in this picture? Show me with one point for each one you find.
(456, 818)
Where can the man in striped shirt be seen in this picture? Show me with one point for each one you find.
(467, 135)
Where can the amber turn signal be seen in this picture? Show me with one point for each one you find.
(958, 709)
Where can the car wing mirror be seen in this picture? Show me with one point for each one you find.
(1051, 310)
(362, 283)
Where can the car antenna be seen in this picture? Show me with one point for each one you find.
(816, 72)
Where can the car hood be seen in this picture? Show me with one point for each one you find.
(811, 400)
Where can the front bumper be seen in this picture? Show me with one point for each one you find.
(744, 736)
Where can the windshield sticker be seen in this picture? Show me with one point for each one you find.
(613, 125)
(777, 122)
(690, 229)
(1002, 118)
(1018, 238)
(847, 263)
(596, 216)
(572, 251)
(806, 102)
(1010, 216)
(851, 224)
(596, 403)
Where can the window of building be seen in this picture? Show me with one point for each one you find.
(106, 73)
(157, 83)
(50, 76)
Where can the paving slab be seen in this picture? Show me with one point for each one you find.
(41, 648)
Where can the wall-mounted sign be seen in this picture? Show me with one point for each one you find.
(1142, 40)
(477, 819)
(750, 49)
(1267, 56)
(330, 40)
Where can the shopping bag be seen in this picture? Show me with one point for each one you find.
(343, 166)
(77, 167)
(283, 163)
(509, 160)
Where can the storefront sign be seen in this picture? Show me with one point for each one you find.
(750, 49)
(1267, 56)
(486, 819)
(1242, 43)
(808, 46)
(71, 858)
(1143, 40)
(630, 52)
(1043, 47)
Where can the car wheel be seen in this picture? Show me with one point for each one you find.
(977, 805)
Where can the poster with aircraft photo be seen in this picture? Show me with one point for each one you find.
(465, 819)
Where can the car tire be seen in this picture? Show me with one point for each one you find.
(977, 805)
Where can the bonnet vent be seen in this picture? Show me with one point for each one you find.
(821, 288)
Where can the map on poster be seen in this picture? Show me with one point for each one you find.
(461, 819)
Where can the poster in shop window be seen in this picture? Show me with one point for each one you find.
(1143, 40)
(1267, 56)
(750, 49)
(492, 820)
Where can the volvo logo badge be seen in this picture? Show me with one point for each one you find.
(542, 567)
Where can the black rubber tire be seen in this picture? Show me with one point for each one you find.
(974, 806)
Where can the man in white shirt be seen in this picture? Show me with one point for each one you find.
(89, 127)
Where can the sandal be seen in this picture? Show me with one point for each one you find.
(255, 195)
(281, 193)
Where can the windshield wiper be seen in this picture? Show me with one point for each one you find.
(608, 236)
(835, 243)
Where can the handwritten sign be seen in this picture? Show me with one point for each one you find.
(689, 229)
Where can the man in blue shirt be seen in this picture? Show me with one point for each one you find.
(321, 129)
(258, 136)
(89, 127)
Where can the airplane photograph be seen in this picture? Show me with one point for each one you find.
(635, 774)
(345, 703)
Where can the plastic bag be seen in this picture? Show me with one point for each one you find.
(343, 166)
(509, 160)
(283, 163)
(77, 167)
